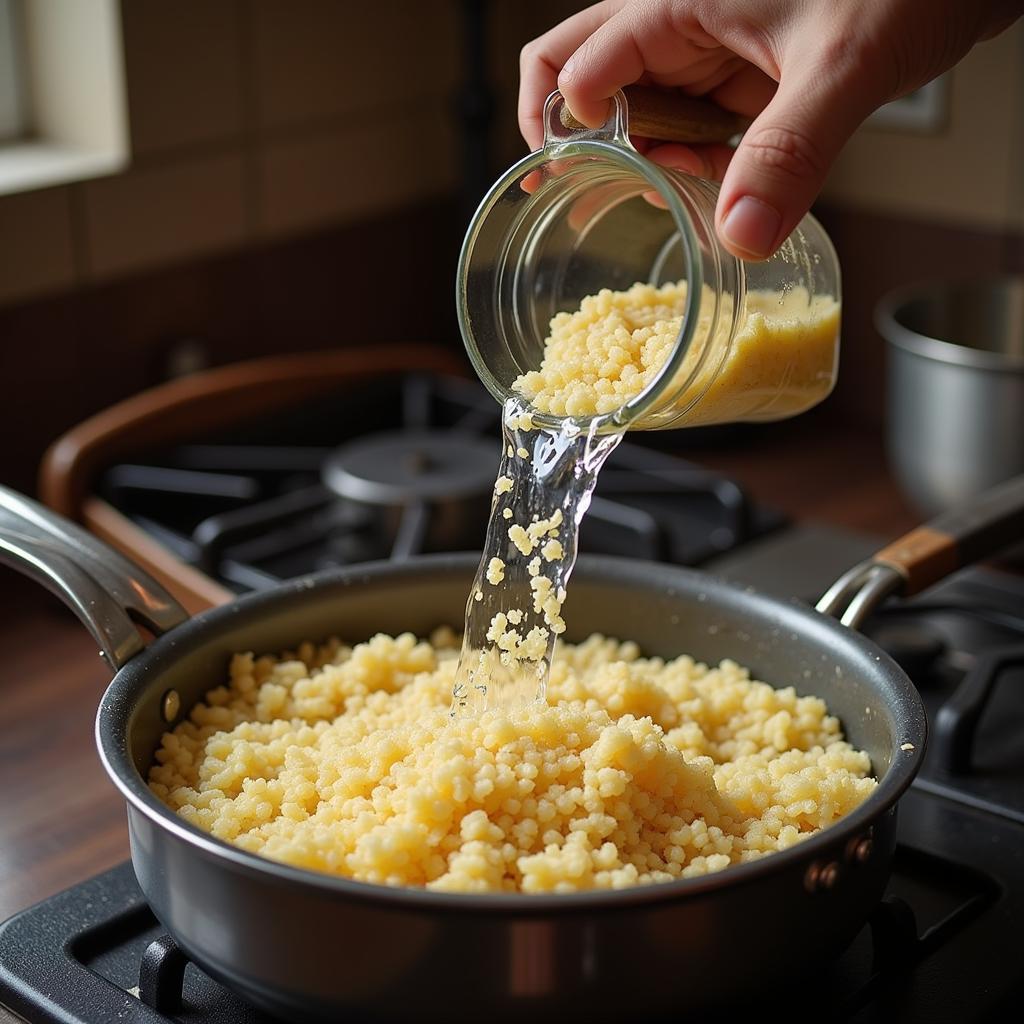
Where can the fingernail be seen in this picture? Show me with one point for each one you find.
(751, 225)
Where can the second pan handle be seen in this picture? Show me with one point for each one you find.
(978, 529)
(108, 593)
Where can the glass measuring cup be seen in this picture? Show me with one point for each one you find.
(757, 341)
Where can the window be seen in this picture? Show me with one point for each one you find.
(62, 103)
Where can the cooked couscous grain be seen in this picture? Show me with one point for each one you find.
(602, 355)
(636, 770)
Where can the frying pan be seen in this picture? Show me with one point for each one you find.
(309, 947)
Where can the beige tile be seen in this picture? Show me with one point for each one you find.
(324, 58)
(161, 215)
(314, 181)
(183, 72)
(35, 244)
(965, 174)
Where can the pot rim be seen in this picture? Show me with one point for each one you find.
(902, 337)
(111, 740)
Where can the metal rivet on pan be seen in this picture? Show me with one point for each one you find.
(811, 878)
(829, 875)
(863, 850)
(822, 876)
(860, 848)
(170, 705)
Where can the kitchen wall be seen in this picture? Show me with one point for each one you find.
(970, 171)
(295, 183)
(903, 206)
(249, 121)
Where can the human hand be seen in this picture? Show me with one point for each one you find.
(808, 72)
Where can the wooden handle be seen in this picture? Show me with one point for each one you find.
(982, 527)
(212, 400)
(922, 557)
(672, 117)
(191, 407)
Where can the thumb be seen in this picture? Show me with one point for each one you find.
(781, 162)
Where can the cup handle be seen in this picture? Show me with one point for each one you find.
(110, 595)
(671, 117)
(963, 535)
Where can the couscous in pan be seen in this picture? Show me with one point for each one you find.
(309, 946)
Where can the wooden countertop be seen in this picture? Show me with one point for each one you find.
(62, 821)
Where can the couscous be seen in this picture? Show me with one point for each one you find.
(624, 771)
(635, 770)
(600, 356)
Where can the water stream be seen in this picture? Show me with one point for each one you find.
(545, 482)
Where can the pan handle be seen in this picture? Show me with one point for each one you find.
(108, 593)
(977, 529)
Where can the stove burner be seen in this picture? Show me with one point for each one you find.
(963, 647)
(402, 467)
(956, 724)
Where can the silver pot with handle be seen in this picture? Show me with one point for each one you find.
(956, 387)
(308, 947)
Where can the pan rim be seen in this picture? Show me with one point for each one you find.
(116, 758)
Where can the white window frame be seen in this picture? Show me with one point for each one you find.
(69, 111)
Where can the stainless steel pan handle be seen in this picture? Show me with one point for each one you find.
(110, 595)
(977, 529)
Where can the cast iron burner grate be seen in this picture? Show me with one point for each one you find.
(95, 953)
(391, 468)
(963, 645)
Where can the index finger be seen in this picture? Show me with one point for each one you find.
(542, 59)
(639, 40)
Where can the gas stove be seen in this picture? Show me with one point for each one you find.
(403, 464)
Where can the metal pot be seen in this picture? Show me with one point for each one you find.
(955, 387)
(308, 946)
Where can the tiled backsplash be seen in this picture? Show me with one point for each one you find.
(292, 186)
(185, 64)
(163, 213)
(36, 251)
(252, 120)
